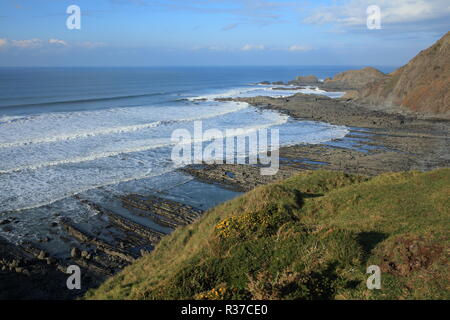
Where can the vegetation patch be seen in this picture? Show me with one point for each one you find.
(311, 236)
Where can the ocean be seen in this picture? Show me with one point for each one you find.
(100, 133)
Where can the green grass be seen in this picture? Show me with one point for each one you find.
(308, 237)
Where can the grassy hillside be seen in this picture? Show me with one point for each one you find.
(309, 237)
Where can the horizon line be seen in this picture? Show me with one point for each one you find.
(205, 66)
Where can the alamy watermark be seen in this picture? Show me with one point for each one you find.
(230, 146)
(73, 22)
(373, 17)
(74, 280)
(374, 280)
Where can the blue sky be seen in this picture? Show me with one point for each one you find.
(217, 32)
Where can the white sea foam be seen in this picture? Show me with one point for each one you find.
(49, 157)
(266, 90)
(122, 149)
(76, 125)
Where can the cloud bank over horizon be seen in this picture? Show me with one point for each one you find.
(218, 32)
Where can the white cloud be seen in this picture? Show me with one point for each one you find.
(250, 47)
(57, 41)
(213, 48)
(218, 48)
(230, 26)
(91, 45)
(300, 48)
(39, 43)
(260, 12)
(352, 13)
(29, 43)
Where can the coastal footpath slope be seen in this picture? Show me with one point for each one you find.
(311, 236)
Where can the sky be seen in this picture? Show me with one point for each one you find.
(218, 32)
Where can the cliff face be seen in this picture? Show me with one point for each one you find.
(421, 85)
(354, 79)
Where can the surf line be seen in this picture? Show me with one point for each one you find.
(242, 146)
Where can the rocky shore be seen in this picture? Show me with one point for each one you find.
(101, 248)
(378, 142)
(398, 121)
(382, 138)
